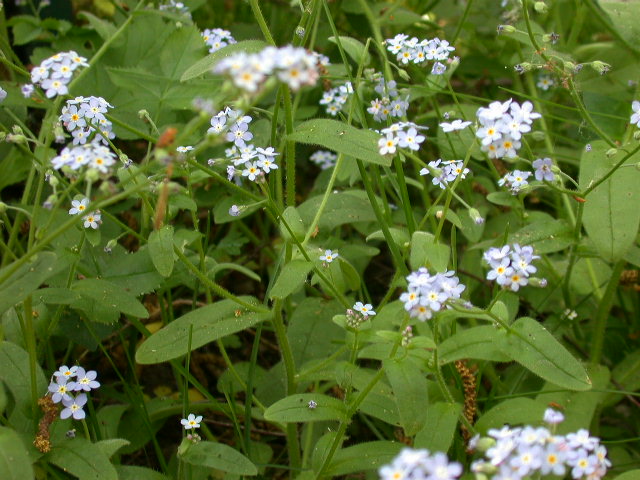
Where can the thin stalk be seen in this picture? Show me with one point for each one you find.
(602, 314)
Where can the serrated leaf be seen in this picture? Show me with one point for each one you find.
(219, 456)
(110, 295)
(611, 215)
(82, 459)
(208, 323)
(533, 347)
(291, 278)
(206, 64)
(482, 343)
(15, 463)
(295, 408)
(354, 48)
(409, 387)
(341, 138)
(26, 279)
(362, 457)
(439, 427)
(161, 250)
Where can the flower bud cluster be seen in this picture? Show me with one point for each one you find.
(54, 74)
(85, 119)
(420, 465)
(502, 125)
(217, 38)
(427, 294)
(526, 452)
(445, 172)
(292, 65)
(256, 161)
(510, 265)
(412, 50)
(67, 381)
(401, 134)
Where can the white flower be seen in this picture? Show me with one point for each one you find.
(92, 220)
(329, 256)
(455, 125)
(543, 169)
(184, 149)
(635, 117)
(553, 417)
(78, 206)
(545, 82)
(365, 309)
(387, 144)
(191, 421)
(234, 211)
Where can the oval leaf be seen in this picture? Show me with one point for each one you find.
(364, 456)
(207, 63)
(533, 347)
(342, 138)
(354, 48)
(409, 387)
(111, 295)
(291, 278)
(219, 456)
(481, 343)
(295, 408)
(209, 323)
(14, 459)
(161, 250)
(83, 459)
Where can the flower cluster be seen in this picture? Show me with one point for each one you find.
(420, 465)
(256, 161)
(83, 116)
(292, 65)
(412, 50)
(427, 294)
(389, 105)
(336, 98)
(54, 74)
(91, 155)
(217, 38)
(510, 265)
(68, 381)
(515, 181)
(324, 159)
(445, 172)
(525, 452)
(502, 125)
(635, 116)
(401, 134)
(92, 219)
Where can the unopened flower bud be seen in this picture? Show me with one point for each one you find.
(538, 282)
(551, 38)
(3, 207)
(485, 443)
(17, 139)
(506, 29)
(638, 166)
(108, 248)
(3, 136)
(234, 211)
(540, 7)
(404, 75)
(439, 214)
(143, 114)
(600, 67)
(611, 152)
(523, 67)
(636, 135)
(475, 216)
(92, 175)
(50, 202)
(538, 135)
(300, 31)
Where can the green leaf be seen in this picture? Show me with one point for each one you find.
(161, 250)
(111, 296)
(219, 456)
(82, 459)
(354, 48)
(209, 323)
(362, 457)
(15, 463)
(110, 446)
(426, 253)
(626, 375)
(439, 427)
(341, 138)
(206, 64)
(624, 15)
(295, 408)
(26, 279)
(15, 373)
(130, 472)
(515, 411)
(482, 343)
(533, 347)
(56, 296)
(294, 222)
(341, 208)
(611, 215)
(630, 475)
(410, 391)
(291, 278)
(102, 27)
(545, 236)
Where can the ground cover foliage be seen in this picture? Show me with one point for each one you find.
(320, 239)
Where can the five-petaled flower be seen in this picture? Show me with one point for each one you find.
(191, 421)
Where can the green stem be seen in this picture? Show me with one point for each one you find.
(594, 185)
(257, 13)
(30, 341)
(290, 157)
(602, 314)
